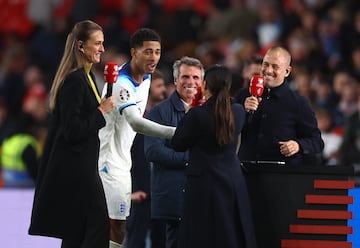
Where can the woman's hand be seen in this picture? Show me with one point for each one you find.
(107, 104)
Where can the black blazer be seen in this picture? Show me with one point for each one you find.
(282, 115)
(68, 174)
(217, 211)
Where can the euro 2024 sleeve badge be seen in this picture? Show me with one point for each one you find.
(124, 95)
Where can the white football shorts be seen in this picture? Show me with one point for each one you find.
(117, 192)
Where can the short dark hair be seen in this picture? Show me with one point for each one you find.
(143, 34)
(254, 59)
(157, 74)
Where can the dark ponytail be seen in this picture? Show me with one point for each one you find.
(218, 81)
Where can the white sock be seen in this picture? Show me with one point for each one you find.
(113, 244)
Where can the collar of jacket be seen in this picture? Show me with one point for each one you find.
(279, 91)
(176, 101)
(210, 101)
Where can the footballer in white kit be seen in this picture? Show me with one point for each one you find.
(117, 137)
(115, 142)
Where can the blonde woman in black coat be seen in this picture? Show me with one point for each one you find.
(216, 208)
(69, 201)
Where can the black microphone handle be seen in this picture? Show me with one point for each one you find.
(109, 90)
(250, 116)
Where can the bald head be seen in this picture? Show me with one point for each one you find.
(276, 66)
(284, 53)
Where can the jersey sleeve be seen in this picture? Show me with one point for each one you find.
(124, 92)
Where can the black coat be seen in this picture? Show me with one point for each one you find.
(217, 211)
(282, 115)
(68, 174)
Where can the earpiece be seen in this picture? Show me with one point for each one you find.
(80, 45)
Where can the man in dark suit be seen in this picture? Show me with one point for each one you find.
(168, 172)
(283, 126)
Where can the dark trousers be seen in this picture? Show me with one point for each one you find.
(172, 233)
(96, 231)
(139, 224)
(157, 233)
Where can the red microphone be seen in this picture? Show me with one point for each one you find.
(198, 98)
(111, 73)
(256, 89)
(256, 86)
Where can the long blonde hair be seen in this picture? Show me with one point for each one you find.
(72, 57)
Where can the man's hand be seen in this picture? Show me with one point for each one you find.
(138, 196)
(289, 148)
(252, 103)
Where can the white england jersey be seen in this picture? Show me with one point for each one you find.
(117, 136)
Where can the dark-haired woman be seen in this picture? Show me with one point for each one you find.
(216, 212)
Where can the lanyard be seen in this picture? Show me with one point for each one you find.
(93, 86)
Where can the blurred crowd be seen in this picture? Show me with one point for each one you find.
(323, 37)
